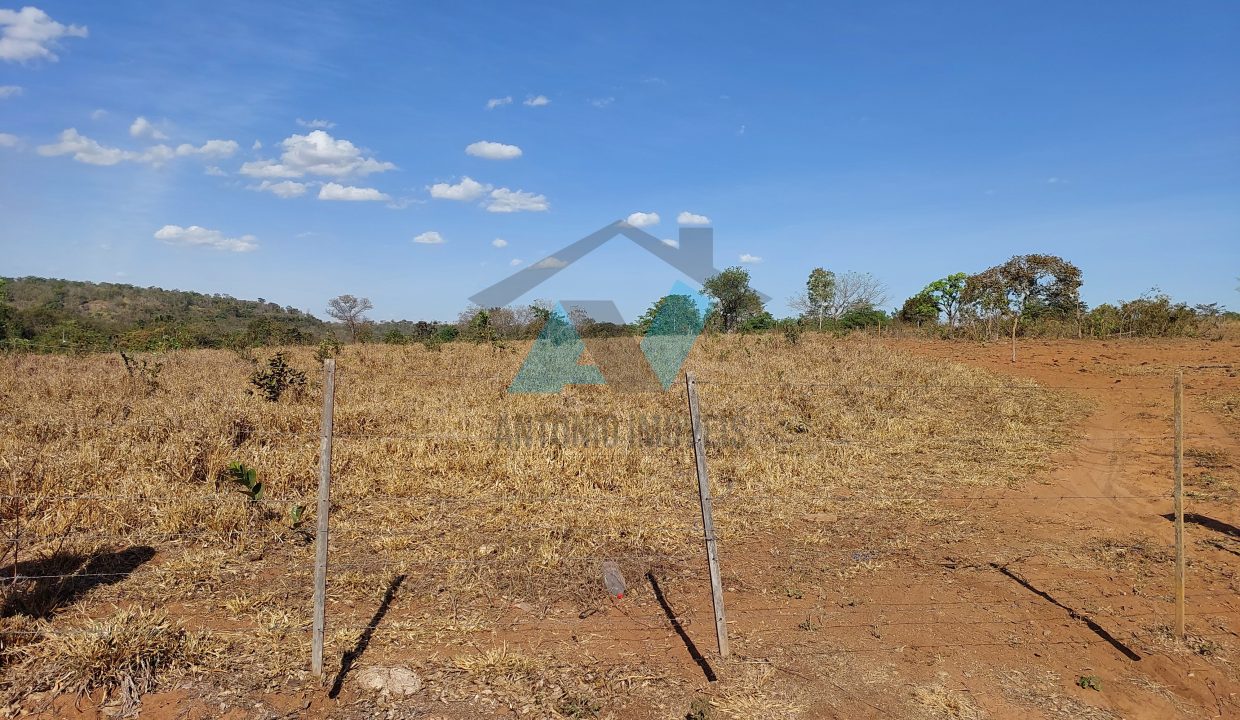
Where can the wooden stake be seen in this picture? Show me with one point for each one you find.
(320, 553)
(708, 523)
(1179, 504)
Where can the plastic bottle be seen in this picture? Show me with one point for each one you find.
(613, 579)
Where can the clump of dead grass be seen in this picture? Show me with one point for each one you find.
(943, 703)
(757, 694)
(127, 653)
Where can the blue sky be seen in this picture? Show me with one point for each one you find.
(907, 139)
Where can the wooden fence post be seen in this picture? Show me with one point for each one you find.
(708, 523)
(320, 552)
(1179, 504)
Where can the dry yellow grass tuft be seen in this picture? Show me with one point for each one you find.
(126, 653)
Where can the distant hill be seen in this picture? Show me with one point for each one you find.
(45, 313)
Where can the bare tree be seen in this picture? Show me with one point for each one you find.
(855, 291)
(351, 311)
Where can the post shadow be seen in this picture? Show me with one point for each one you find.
(1210, 523)
(350, 657)
(680, 630)
(44, 586)
(1072, 613)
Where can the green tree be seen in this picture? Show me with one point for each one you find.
(1042, 283)
(736, 300)
(946, 293)
(671, 315)
(815, 303)
(921, 308)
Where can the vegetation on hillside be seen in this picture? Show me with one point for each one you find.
(1029, 295)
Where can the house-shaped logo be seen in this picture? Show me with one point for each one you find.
(625, 363)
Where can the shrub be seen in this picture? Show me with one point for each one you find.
(278, 378)
(329, 347)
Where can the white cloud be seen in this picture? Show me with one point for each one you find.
(9, 141)
(515, 262)
(7, 91)
(142, 127)
(498, 102)
(504, 200)
(549, 263)
(493, 150)
(212, 148)
(199, 236)
(467, 189)
(334, 191)
(286, 189)
(84, 150)
(499, 243)
(602, 102)
(750, 259)
(536, 101)
(316, 124)
(215, 171)
(670, 242)
(30, 34)
(316, 153)
(688, 218)
(641, 219)
(430, 237)
(98, 114)
(258, 145)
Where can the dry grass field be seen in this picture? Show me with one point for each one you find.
(873, 500)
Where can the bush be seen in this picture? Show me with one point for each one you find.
(278, 378)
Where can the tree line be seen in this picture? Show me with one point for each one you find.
(1028, 295)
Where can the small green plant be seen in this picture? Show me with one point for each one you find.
(1090, 682)
(434, 343)
(144, 374)
(329, 347)
(296, 516)
(247, 478)
(277, 378)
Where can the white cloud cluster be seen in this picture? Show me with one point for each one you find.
(467, 189)
(316, 153)
(504, 200)
(670, 242)
(688, 218)
(30, 34)
(9, 141)
(602, 102)
(499, 243)
(536, 101)
(750, 259)
(284, 189)
(429, 237)
(641, 219)
(142, 127)
(498, 102)
(8, 91)
(493, 150)
(84, 150)
(194, 236)
(498, 200)
(316, 124)
(91, 152)
(335, 191)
